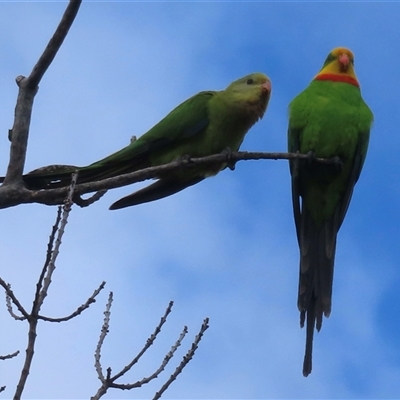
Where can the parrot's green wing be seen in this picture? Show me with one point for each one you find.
(293, 147)
(304, 167)
(184, 122)
(230, 114)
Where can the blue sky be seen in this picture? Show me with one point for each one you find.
(225, 248)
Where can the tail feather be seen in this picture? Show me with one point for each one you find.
(55, 176)
(317, 249)
(307, 363)
(110, 168)
(51, 176)
(158, 190)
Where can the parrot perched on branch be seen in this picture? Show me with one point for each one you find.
(205, 124)
(329, 119)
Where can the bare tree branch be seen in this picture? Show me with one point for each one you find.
(23, 109)
(51, 266)
(57, 196)
(109, 380)
(104, 330)
(154, 375)
(10, 295)
(42, 287)
(79, 310)
(50, 246)
(189, 355)
(92, 199)
(10, 308)
(54, 44)
(8, 356)
(149, 342)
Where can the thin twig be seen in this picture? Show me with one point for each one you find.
(54, 254)
(92, 199)
(50, 246)
(11, 311)
(8, 356)
(189, 355)
(10, 294)
(164, 363)
(79, 310)
(109, 380)
(149, 342)
(104, 330)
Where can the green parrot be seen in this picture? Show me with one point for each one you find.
(205, 124)
(329, 119)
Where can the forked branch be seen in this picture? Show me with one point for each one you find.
(109, 381)
(189, 355)
(42, 287)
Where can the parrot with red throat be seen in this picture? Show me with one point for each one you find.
(210, 122)
(329, 119)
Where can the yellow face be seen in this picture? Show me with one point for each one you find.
(342, 50)
(340, 61)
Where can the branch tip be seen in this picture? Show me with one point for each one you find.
(8, 356)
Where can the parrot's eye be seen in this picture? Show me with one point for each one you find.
(250, 81)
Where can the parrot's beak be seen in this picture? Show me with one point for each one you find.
(266, 87)
(344, 62)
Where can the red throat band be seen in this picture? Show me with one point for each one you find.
(337, 78)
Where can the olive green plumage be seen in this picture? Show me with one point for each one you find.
(205, 124)
(328, 119)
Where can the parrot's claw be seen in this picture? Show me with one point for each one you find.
(231, 164)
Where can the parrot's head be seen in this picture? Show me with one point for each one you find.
(339, 63)
(251, 93)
